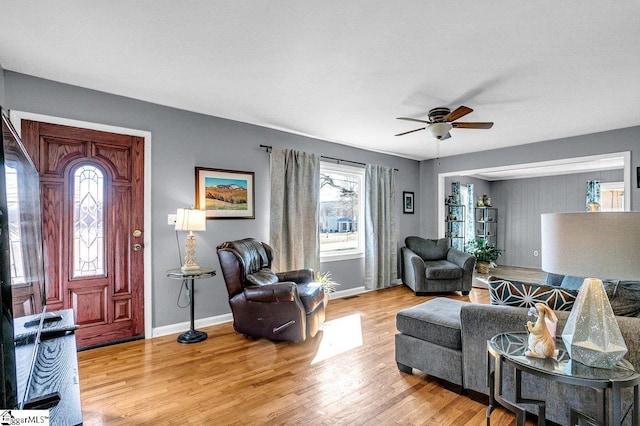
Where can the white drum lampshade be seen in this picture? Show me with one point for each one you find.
(587, 244)
(190, 220)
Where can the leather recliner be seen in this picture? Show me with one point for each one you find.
(277, 306)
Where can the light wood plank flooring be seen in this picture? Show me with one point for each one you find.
(346, 375)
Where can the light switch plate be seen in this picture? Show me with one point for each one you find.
(171, 219)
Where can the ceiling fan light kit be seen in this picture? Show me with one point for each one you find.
(438, 130)
(442, 120)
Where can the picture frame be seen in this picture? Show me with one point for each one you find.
(408, 202)
(225, 194)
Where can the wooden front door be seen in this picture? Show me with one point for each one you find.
(92, 225)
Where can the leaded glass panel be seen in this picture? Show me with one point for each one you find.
(88, 222)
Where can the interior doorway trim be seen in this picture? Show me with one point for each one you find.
(626, 155)
(16, 118)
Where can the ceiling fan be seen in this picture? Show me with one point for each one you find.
(442, 119)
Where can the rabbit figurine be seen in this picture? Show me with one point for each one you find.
(541, 343)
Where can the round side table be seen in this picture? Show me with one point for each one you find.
(192, 335)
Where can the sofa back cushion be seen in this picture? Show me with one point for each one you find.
(428, 249)
(624, 297)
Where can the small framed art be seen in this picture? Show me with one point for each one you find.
(225, 194)
(408, 202)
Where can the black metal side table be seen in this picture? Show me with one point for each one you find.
(192, 335)
(509, 349)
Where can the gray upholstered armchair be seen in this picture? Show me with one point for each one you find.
(432, 266)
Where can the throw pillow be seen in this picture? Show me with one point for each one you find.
(572, 283)
(523, 294)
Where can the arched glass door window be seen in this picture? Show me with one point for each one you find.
(88, 221)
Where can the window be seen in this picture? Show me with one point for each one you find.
(611, 196)
(15, 234)
(341, 212)
(88, 221)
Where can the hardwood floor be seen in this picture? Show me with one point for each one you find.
(346, 375)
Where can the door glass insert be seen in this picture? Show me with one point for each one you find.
(88, 222)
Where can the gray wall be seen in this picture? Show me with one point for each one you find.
(182, 140)
(480, 186)
(592, 144)
(522, 201)
(1, 86)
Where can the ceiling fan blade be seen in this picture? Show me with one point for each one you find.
(445, 136)
(457, 113)
(413, 119)
(479, 125)
(410, 131)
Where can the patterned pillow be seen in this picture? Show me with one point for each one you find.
(526, 295)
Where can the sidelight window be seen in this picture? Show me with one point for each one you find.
(88, 222)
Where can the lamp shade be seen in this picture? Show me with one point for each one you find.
(438, 130)
(588, 244)
(191, 220)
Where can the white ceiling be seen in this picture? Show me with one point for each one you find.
(343, 70)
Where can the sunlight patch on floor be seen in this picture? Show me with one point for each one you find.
(338, 336)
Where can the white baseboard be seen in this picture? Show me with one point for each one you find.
(184, 326)
(221, 319)
(348, 292)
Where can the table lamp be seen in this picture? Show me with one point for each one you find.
(589, 244)
(190, 220)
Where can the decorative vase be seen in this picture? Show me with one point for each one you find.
(591, 334)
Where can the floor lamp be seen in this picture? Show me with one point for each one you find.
(589, 244)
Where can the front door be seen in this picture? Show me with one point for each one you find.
(92, 224)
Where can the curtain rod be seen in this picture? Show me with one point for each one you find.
(268, 148)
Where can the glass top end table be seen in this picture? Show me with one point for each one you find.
(509, 349)
(192, 335)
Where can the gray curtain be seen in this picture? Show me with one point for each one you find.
(295, 189)
(381, 234)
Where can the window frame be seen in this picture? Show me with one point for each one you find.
(609, 186)
(357, 253)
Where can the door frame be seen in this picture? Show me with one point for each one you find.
(16, 118)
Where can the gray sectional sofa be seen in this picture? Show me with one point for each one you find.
(448, 339)
(479, 323)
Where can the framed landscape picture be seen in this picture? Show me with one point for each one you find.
(225, 194)
(407, 202)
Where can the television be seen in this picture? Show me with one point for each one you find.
(22, 288)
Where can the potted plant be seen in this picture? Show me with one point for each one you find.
(485, 253)
(327, 284)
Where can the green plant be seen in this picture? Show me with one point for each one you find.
(327, 283)
(483, 251)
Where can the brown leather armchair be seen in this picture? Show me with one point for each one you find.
(278, 306)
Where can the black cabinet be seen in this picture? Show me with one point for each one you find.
(55, 378)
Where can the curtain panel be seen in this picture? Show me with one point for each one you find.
(470, 217)
(593, 196)
(295, 192)
(381, 234)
